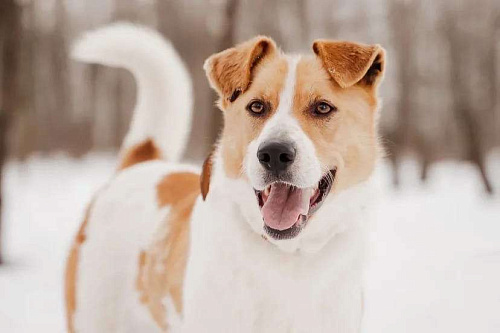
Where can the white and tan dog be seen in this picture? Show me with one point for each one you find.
(271, 237)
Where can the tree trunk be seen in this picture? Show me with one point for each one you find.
(462, 107)
(10, 31)
(3, 153)
(228, 40)
(401, 20)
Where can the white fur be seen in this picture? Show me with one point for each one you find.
(238, 282)
(164, 99)
(235, 281)
(123, 222)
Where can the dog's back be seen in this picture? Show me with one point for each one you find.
(136, 229)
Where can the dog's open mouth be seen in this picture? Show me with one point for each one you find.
(286, 208)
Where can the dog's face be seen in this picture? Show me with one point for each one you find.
(297, 128)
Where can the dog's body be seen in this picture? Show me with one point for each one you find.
(158, 252)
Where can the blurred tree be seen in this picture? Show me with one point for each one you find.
(195, 29)
(462, 105)
(125, 85)
(402, 20)
(63, 105)
(492, 58)
(227, 40)
(3, 153)
(23, 124)
(10, 35)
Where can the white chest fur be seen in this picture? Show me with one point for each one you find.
(238, 282)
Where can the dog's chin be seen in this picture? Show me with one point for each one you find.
(286, 208)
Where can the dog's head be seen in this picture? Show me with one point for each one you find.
(297, 128)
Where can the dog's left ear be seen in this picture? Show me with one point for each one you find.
(351, 63)
(230, 72)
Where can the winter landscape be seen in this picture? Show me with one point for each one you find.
(435, 259)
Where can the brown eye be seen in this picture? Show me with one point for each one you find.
(257, 107)
(323, 108)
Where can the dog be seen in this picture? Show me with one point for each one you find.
(270, 234)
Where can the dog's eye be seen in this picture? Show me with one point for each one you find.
(257, 107)
(323, 108)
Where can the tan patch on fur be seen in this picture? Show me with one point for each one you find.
(240, 128)
(346, 62)
(72, 271)
(348, 136)
(206, 174)
(255, 70)
(140, 153)
(232, 70)
(161, 267)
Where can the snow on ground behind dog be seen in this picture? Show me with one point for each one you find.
(436, 257)
(435, 266)
(44, 202)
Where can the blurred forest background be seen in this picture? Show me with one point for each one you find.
(440, 95)
(441, 102)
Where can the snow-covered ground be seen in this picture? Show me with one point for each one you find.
(435, 267)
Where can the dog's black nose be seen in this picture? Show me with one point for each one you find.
(276, 156)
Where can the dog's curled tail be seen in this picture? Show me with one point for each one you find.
(162, 117)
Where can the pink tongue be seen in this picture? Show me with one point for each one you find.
(284, 206)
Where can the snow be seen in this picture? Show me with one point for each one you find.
(44, 204)
(435, 262)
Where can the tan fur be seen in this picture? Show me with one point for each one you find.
(348, 136)
(72, 271)
(141, 152)
(346, 62)
(344, 73)
(206, 173)
(240, 128)
(253, 68)
(232, 70)
(169, 251)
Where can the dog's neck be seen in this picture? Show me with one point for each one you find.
(318, 276)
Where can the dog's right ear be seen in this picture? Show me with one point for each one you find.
(230, 72)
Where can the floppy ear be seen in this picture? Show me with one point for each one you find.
(230, 72)
(350, 63)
